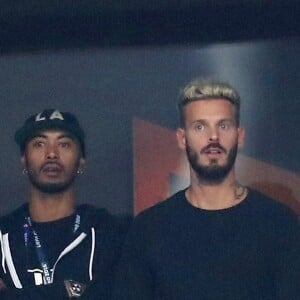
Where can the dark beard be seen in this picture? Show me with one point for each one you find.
(213, 173)
(51, 188)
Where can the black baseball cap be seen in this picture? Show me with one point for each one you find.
(49, 119)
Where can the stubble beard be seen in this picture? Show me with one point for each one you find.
(212, 173)
(51, 188)
(48, 187)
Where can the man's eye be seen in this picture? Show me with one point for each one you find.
(65, 144)
(199, 127)
(38, 144)
(224, 126)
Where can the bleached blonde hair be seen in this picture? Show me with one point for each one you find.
(205, 89)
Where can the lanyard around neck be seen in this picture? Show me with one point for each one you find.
(39, 247)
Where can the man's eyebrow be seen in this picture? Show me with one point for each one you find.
(40, 135)
(227, 120)
(68, 136)
(207, 120)
(61, 136)
(230, 120)
(198, 120)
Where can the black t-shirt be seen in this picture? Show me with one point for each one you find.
(246, 252)
(54, 236)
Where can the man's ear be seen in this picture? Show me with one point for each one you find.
(241, 137)
(81, 163)
(23, 161)
(181, 140)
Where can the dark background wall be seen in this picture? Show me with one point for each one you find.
(109, 63)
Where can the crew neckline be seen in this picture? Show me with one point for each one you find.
(216, 211)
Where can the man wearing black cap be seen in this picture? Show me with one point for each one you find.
(52, 249)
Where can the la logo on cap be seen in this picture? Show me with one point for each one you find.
(54, 115)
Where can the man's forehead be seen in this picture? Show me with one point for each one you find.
(55, 133)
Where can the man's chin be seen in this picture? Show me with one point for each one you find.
(214, 162)
(214, 173)
(51, 188)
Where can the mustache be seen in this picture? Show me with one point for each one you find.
(215, 146)
(51, 165)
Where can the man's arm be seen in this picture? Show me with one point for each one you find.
(133, 279)
(53, 291)
(288, 271)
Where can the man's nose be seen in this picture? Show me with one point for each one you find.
(52, 152)
(213, 135)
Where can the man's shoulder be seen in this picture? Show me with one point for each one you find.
(163, 209)
(262, 199)
(13, 218)
(105, 223)
(268, 207)
(93, 216)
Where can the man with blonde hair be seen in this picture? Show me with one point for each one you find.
(217, 239)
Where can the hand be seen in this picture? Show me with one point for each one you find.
(2, 285)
